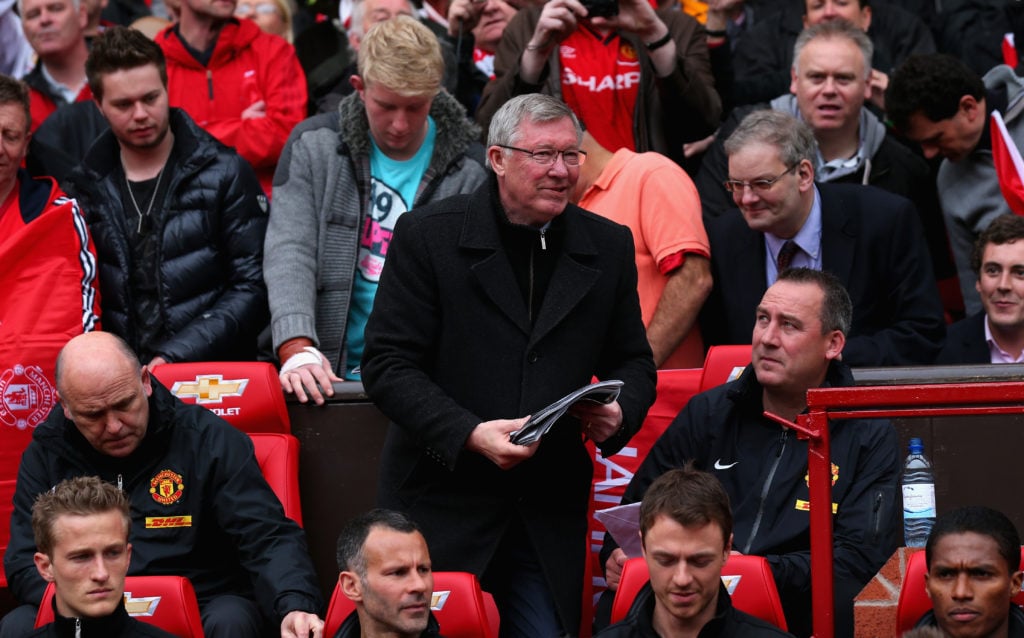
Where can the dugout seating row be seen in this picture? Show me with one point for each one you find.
(169, 602)
(247, 395)
(752, 587)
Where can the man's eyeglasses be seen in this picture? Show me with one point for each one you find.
(758, 186)
(263, 8)
(547, 156)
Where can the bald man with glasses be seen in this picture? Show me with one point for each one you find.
(870, 239)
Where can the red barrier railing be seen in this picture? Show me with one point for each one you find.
(825, 404)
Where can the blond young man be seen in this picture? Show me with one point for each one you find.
(343, 180)
(81, 530)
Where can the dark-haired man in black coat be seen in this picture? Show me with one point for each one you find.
(178, 219)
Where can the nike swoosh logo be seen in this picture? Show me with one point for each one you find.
(720, 466)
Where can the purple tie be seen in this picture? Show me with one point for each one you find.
(786, 255)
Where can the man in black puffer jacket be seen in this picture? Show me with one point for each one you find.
(178, 219)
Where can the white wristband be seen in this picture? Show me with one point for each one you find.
(308, 356)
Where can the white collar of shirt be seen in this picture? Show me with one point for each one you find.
(68, 93)
(808, 238)
(996, 353)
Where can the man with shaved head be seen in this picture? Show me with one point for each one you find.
(179, 465)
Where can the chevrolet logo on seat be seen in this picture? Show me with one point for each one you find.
(142, 606)
(438, 600)
(209, 388)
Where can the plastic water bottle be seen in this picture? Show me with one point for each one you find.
(918, 496)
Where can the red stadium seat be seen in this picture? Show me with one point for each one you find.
(913, 601)
(169, 602)
(247, 394)
(460, 606)
(722, 364)
(278, 456)
(748, 577)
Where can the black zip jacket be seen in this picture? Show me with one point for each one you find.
(764, 468)
(200, 508)
(351, 628)
(117, 625)
(209, 230)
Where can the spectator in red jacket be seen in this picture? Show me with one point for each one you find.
(48, 266)
(244, 86)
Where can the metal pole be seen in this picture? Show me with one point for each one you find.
(813, 426)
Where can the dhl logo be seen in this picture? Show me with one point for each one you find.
(806, 506)
(157, 522)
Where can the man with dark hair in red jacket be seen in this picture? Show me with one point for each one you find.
(243, 86)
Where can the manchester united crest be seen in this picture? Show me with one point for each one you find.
(166, 487)
(626, 52)
(835, 476)
(26, 396)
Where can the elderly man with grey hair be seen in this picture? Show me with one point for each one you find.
(491, 306)
(56, 31)
(870, 239)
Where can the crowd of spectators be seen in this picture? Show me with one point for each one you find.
(237, 177)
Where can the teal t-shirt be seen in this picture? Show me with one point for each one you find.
(393, 187)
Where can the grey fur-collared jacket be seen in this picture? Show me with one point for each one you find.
(321, 191)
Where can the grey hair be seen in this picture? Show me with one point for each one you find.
(792, 137)
(355, 25)
(75, 4)
(534, 107)
(833, 30)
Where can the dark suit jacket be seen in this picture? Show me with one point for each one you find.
(965, 342)
(449, 344)
(873, 242)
